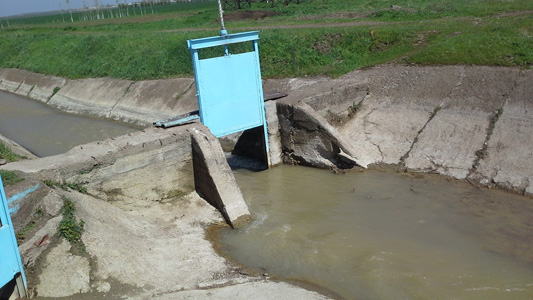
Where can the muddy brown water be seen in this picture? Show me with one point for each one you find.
(361, 235)
(46, 131)
(385, 235)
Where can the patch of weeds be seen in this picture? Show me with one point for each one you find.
(56, 89)
(66, 185)
(354, 108)
(70, 28)
(10, 177)
(384, 39)
(32, 224)
(7, 154)
(327, 43)
(69, 228)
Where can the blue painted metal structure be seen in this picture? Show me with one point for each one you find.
(10, 262)
(229, 87)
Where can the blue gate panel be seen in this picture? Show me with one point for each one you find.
(10, 262)
(229, 87)
(229, 94)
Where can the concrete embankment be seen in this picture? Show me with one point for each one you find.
(466, 122)
(140, 102)
(138, 196)
(471, 123)
(144, 222)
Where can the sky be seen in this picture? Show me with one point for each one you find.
(17, 7)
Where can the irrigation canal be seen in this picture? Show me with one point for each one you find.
(362, 235)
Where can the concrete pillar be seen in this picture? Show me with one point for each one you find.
(213, 179)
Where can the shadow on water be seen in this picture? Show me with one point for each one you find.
(238, 162)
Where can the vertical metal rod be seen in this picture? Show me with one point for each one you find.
(255, 48)
(221, 15)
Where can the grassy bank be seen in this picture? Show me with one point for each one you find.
(330, 37)
(9, 177)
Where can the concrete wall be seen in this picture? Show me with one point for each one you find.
(141, 167)
(141, 102)
(451, 120)
(465, 122)
(213, 179)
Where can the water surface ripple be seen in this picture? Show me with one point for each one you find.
(378, 235)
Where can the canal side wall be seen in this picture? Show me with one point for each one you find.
(140, 167)
(466, 122)
(136, 102)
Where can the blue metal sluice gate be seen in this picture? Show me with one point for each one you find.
(10, 262)
(229, 87)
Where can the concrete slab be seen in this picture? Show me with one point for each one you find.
(509, 159)
(274, 138)
(384, 130)
(449, 142)
(45, 87)
(64, 274)
(331, 98)
(3, 72)
(85, 158)
(213, 178)
(12, 79)
(29, 252)
(400, 103)
(149, 101)
(308, 139)
(95, 97)
(250, 290)
(36, 86)
(159, 248)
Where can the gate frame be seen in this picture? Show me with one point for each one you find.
(204, 103)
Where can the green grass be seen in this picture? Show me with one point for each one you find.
(66, 185)
(69, 228)
(31, 225)
(7, 154)
(10, 177)
(153, 46)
